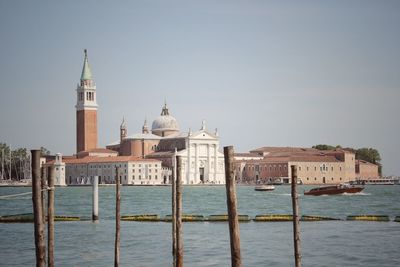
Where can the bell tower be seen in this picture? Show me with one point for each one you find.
(86, 110)
(123, 130)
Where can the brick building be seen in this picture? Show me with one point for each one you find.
(313, 166)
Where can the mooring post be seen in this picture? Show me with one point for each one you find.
(117, 217)
(179, 239)
(236, 259)
(95, 199)
(43, 192)
(173, 219)
(296, 219)
(38, 209)
(50, 216)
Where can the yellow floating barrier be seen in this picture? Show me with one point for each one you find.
(17, 218)
(224, 218)
(273, 218)
(397, 219)
(60, 218)
(141, 218)
(374, 218)
(186, 218)
(313, 218)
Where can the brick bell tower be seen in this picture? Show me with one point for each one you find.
(86, 110)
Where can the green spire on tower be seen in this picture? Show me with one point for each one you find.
(86, 72)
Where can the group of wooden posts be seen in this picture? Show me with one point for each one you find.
(38, 188)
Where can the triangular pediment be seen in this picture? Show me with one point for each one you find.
(203, 135)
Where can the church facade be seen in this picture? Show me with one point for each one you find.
(202, 162)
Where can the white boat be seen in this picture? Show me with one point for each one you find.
(380, 181)
(264, 188)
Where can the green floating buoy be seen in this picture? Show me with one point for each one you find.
(224, 218)
(61, 218)
(273, 218)
(313, 218)
(373, 218)
(186, 218)
(17, 218)
(141, 218)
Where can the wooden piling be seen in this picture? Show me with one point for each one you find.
(95, 199)
(43, 177)
(179, 239)
(50, 216)
(38, 209)
(117, 217)
(236, 259)
(173, 217)
(296, 218)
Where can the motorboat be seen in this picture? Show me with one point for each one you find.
(334, 190)
(264, 188)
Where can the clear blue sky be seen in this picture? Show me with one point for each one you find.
(265, 73)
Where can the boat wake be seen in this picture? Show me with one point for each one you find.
(280, 194)
(356, 194)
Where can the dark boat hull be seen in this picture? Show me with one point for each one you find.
(333, 191)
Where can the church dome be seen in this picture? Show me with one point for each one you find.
(165, 124)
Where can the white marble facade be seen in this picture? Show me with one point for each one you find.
(202, 163)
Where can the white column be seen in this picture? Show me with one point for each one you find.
(196, 164)
(215, 162)
(208, 163)
(188, 165)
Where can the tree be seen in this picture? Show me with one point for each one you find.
(371, 155)
(4, 161)
(44, 151)
(324, 147)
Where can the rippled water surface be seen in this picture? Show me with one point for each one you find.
(332, 243)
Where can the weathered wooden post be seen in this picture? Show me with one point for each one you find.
(295, 205)
(95, 199)
(38, 209)
(179, 239)
(117, 218)
(173, 219)
(236, 259)
(43, 174)
(50, 216)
